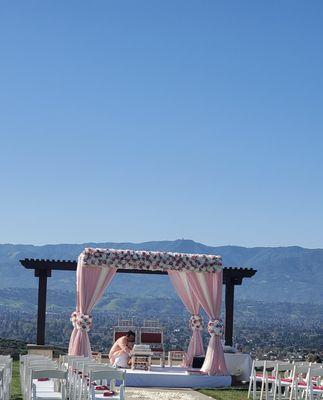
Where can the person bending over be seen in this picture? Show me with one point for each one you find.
(120, 351)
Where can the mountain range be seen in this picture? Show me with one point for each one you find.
(284, 274)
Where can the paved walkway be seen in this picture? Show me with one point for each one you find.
(163, 394)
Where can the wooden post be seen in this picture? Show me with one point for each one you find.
(42, 294)
(229, 304)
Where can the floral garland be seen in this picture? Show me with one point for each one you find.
(150, 260)
(196, 322)
(215, 327)
(82, 322)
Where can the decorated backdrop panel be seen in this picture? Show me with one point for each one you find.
(150, 260)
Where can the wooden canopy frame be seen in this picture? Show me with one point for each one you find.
(43, 270)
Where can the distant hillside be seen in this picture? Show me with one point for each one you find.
(291, 274)
(22, 302)
(12, 347)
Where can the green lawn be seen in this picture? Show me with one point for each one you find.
(15, 385)
(226, 394)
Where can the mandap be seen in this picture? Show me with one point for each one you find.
(197, 279)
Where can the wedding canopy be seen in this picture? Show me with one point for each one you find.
(197, 280)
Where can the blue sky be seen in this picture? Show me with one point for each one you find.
(151, 120)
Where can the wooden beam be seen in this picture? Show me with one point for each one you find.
(140, 271)
(59, 265)
(229, 273)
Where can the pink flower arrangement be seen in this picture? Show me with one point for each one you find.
(82, 322)
(215, 327)
(196, 322)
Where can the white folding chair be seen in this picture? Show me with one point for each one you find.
(268, 380)
(85, 382)
(256, 376)
(314, 384)
(299, 379)
(6, 377)
(23, 359)
(35, 365)
(25, 362)
(260, 374)
(56, 388)
(78, 377)
(283, 380)
(113, 379)
(65, 361)
(73, 371)
(2, 382)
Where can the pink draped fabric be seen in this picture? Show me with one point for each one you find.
(184, 291)
(207, 287)
(90, 285)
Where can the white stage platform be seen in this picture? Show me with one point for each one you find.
(174, 377)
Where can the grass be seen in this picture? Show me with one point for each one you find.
(226, 394)
(15, 384)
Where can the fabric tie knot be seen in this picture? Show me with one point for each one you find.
(215, 327)
(196, 322)
(80, 321)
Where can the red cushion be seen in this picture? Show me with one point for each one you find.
(151, 337)
(269, 376)
(43, 379)
(108, 393)
(302, 383)
(286, 380)
(317, 387)
(102, 387)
